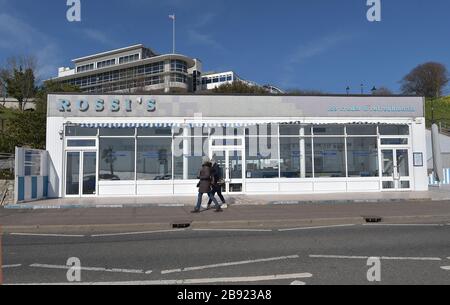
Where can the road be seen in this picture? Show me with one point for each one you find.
(410, 254)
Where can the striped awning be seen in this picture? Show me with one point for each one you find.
(222, 124)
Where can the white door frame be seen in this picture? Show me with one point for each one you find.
(227, 149)
(396, 178)
(81, 152)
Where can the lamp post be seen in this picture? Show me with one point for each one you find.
(348, 90)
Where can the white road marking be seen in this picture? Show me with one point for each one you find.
(137, 233)
(250, 279)
(45, 235)
(95, 269)
(319, 227)
(233, 230)
(298, 283)
(11, 266)
(446, 268)
(402, 225)
(381, 257)
(230, 264)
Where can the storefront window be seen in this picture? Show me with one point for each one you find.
(74, 131)
(362, 130)
(155, 132)
(394, 130)
(362, 154)
(329, 157)
(262, 160)
(117, 132)
(117, 159)
(188, 156)
(154, 159)
(294, 130)
(327, 130)
(296, 157)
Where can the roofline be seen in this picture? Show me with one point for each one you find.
(137, 46)
(237, 94)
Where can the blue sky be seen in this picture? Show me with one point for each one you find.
(306, 44)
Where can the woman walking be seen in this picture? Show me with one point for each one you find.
(217, 182)
(205, 186)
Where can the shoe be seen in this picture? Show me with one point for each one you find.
(208, 207)
(195, 211)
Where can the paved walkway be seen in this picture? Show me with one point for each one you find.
(434, 194)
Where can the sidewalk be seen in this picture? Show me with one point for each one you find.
(237, 216)
(434, 194)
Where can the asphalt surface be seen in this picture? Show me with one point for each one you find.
(411, 254)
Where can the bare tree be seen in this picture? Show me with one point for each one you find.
(17, 77)
(427, 80)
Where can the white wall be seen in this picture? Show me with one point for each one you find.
(419, 145)
(56, 153)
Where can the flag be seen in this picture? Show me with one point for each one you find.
(172, 17)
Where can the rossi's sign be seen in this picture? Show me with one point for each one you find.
(100, 105)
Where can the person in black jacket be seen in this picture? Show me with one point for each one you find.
(216, 173)
(205, 186)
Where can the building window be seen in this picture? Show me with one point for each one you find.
(106, 63)
(362, 130)
(154, 159)
(295, 130)
(85, 68)
(130, 58)
(262, 160)
(178, 66)
(117, 159)
(32, 163)
(328, 130)
(178, 78)
(362, 156)
(296, 158)
(188, 156)
(329, 157)
(394, 130)
(74, 131)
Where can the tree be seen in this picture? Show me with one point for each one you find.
(427, 80)
(18, 76)
(239, 87)
(28, 128)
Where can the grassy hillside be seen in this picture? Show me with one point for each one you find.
(441, 111)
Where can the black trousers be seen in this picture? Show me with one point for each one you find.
(217, 190)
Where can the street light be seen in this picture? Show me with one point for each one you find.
(348, 90)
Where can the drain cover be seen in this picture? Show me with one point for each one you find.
(181, 225)
(373, 219)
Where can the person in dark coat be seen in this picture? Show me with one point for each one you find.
(205, 186)
(217, 186)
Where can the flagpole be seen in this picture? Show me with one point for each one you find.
(174, 18)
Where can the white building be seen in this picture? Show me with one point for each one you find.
(132, 145)
(133, 69)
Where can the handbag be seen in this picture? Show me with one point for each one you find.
(221, 182)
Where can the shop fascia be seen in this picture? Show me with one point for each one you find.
(100, 105)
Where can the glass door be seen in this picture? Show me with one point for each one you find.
(81, 173)
(395, 169)
(232, 170)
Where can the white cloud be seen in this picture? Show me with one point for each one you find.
(98, 36)
(317, 47)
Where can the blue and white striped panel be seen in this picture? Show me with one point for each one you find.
(446, 178)
(31, 188)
